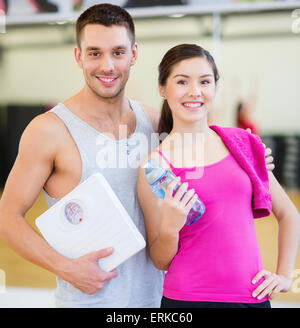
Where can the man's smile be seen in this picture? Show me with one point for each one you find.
(107, 81)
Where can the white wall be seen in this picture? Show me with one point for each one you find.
(48, 73)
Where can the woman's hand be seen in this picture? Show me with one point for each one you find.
(272, 285)
(176, 208)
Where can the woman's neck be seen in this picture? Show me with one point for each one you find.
(193, 131)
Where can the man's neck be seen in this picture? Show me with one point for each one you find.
(104, 115)
(93, 107)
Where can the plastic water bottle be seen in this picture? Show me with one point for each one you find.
(159, 178)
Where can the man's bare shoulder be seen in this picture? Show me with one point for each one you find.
(154, 115)
(47, 123)
(46, 131)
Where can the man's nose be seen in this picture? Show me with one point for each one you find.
(107, 65)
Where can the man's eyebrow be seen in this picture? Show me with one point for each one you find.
(120, 47)
(90, 48)
(187, 76)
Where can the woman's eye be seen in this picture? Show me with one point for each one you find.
(205, 82)
(183, 82)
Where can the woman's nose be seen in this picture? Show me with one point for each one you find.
(195, 91)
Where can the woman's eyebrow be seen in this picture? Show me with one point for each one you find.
(187, 76)
(182, 75)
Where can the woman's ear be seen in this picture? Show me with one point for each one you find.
(161, 89)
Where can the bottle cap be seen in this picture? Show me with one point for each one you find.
(153, 171)
(155, 174)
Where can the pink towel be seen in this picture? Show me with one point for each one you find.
(249, 152)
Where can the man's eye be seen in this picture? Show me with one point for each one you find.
(94, 54)
(119, 53)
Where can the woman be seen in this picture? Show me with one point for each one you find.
(215, 262)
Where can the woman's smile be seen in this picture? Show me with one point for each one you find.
(192, 105)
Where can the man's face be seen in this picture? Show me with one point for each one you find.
(105, 56)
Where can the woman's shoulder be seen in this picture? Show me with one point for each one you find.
(230, 129)
(235, 133)
(157, 156)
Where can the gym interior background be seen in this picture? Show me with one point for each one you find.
(257, 49)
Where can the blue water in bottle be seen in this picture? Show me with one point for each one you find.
(159, 178)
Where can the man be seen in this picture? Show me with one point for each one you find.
(61, 148)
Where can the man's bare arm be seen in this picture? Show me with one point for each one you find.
(39, 145)
(32, 168)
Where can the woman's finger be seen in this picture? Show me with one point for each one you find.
(259, 275)
(262, 286)
(170, 188)
(186, 198)
(276, 290)
(180, 192)
(191, 203)
(271, 285)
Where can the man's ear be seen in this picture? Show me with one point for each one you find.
(77, 53)
(134, 50)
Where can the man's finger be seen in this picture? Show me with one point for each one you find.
(268, 151)
(109, 275)
(102, 253)
(270, 167)
(269, 160)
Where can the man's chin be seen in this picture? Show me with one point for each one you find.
(110, 95)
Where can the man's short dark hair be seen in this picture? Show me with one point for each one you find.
(107, 15)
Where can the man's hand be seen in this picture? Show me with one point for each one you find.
(84, 272)
(269, 159)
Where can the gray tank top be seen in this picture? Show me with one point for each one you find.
(139, 283)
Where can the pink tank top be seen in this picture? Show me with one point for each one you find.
(218, 256)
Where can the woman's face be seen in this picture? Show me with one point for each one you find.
(190, 89)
